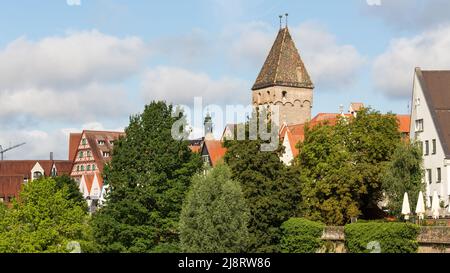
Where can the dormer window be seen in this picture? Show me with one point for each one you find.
(106, 154)
(53, 174)
(417, 102)
(101, 142)
(37, 175)
(111, 142)
(419, 125)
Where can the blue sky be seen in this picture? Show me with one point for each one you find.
(65, 68)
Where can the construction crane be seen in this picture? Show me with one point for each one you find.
(8, 149)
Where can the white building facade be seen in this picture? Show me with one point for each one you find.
(430, 125)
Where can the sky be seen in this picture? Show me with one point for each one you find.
(69, 65)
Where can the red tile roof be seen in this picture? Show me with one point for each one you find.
(215, 150)
(74, 142)
(92, 138)
(296, 133)
(195, 149)
(23, 167)
(404, 122)
(89, 180)
(10, 186)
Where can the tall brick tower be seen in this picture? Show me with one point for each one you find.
(285, 82)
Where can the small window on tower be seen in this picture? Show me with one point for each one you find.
(284, 95)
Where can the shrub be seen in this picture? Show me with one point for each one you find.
(301, 236)
(392, 237)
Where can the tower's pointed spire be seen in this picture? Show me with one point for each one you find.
(283, 66)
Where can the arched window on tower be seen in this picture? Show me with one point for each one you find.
(284, 95)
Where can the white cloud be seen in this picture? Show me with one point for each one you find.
(187, 49)
(75, 59)
(410, 14)
(330, 63)
(86, 103)
(394, 69)
(40, 143)
(180, 86)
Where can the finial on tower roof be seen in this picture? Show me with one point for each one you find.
(287, 16)
(281, 23)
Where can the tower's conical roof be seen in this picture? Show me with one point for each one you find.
(283, 66)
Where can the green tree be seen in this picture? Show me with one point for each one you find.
(271, 189)
(44, 219)
(214, 218)
(331, 187)
(403, 173)
(340, 166)
(72, 189)
(149, 175)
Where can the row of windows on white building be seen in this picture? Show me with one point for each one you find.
(82, 154)
(99, 142)
(82, 168)
(425, 146)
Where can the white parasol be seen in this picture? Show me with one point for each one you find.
(435, 205)
(420, 208)
(406, 209)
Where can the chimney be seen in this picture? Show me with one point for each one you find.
(51, 156)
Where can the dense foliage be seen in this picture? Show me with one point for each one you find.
(271, 189)
(44, 219)
(215, 216)
(149, 176)
(301, 236)
(340, 166)
(390, 237)
(73, 192)
(403, 174)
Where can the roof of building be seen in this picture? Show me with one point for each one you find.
(283, 66)
(74, 142)
(23, 167)
(10, 185)
(404, 123)
(195, 148)
(93, 137)
(215, 150)
(436, 88)
(296, 132)
(89, 180)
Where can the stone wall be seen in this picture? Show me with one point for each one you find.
(431, 240)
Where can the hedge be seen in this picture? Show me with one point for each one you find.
(301, 236)
(390, 237)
